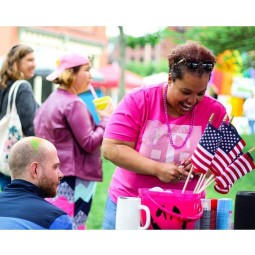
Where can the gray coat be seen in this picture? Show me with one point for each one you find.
(25, 103)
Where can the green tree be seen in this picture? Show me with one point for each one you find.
(145, 69)
(224, 38)
(220, 39)
(233, 38)
(216, 38)
(152, 39)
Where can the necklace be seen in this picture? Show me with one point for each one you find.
(168, 125)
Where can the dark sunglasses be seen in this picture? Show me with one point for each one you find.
(193, 65)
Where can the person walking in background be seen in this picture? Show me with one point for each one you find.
(155, 129)
(65, 120)
(35, 172)
(18, 65)
(249, 111)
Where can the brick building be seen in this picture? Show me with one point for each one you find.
(49, 42)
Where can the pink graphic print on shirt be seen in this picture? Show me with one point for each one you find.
(156, 145)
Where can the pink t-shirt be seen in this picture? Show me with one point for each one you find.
(140, 118)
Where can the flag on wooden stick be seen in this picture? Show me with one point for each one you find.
(240, 167)
(206, 148)
(230, 147)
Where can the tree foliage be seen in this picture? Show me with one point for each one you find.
(224, 38)
(220, 39)
(217, 38)
(141, 41)
(146, 69)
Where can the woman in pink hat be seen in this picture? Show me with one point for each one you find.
(65, 120)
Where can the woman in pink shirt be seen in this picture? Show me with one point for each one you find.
(155, 129)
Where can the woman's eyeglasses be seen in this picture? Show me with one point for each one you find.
(193, 65)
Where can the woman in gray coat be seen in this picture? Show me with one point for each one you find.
(18, 65)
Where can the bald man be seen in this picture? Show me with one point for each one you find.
(35, 174)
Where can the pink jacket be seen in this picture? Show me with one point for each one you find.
(64, 120)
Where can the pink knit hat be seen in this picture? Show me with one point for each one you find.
(67, 61)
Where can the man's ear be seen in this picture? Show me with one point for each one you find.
(34, 170)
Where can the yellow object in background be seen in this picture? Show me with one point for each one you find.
(237, 106)
(102, 102)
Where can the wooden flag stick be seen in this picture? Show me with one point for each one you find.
(211, 118)
(251, 150)
(187, 180)
(231, 119)
(208, 180)
(201, 177)
(225, 117)
(206, 185)
(201, 183)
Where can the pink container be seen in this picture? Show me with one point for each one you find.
(172, 210)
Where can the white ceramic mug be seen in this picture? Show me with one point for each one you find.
(128, 215)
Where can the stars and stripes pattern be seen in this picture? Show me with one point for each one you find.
(240, 167)
(230, 147)
(221, 150)
(206, 148)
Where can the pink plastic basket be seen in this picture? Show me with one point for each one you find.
(172, 210)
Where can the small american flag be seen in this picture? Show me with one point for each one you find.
(221, 190)
(240, 167)
(229, 148)
(206, 148)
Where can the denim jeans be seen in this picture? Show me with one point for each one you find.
(109, 215)
(4, 180)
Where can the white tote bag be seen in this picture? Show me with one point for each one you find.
(10, 129)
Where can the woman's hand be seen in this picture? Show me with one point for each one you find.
(171, 172)
(107, 112)
(186, 164)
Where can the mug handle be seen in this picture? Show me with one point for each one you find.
(148, 217)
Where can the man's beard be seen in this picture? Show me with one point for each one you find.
(47, 187)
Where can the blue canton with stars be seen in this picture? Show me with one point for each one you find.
(230, 137)
(211, 139)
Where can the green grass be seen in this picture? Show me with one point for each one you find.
(246, 183)
(96, 215)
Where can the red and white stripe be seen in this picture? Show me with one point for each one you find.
(240, 167)
(222, 160)
(221, 190)
(201, 159)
